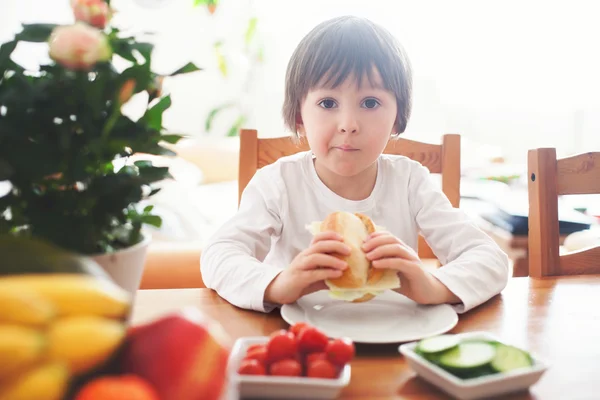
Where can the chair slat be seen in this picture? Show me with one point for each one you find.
(586, 261)
(579, 174)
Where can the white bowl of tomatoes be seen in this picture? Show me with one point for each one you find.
(298, 362)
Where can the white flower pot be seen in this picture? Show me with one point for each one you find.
(126, 266)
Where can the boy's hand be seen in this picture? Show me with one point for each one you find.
(307, 272)
(387, 251)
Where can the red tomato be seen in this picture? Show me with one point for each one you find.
(286, 368)
(258, 353)
(315, 356)
(312, 340)
(251, 367)
(340, 351)
(281, 346)
(321, 369)
(277, 332)
(297, 328)
(255, 346)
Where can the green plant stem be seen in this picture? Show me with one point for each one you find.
(112, 120)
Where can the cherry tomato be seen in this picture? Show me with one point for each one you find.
(277, 332)
(258, 353)
(312, 340)
(255, 346)
(251, 367)
(286, 368)
(321, 369)
(281, 346)
(315, 356)
(340, 351)
(297, 328)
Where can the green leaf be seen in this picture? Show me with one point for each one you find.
(153, 116)
(6, 170)
(212, 115)
(153, 220)
(235, 129)
(5, 51)
(36, 33)
(143, 164)
(123, 48)
(141, 74)
(251, 30)
(145, 49)
(187, 68)
(149, 208)
(171, 138)
(154, 174)
(221, 61)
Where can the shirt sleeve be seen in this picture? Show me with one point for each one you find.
(473, 267)
(232, 261)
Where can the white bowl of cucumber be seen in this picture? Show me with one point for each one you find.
(473, 365)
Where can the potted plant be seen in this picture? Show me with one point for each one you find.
(66, 147)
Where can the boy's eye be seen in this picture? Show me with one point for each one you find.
(370, 103)
(327, 103)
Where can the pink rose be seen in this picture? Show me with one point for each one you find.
(94, 12)
(79, 46)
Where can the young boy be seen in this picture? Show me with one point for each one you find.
(348, 92)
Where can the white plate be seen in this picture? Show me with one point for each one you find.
(482, 387)
(280, 387)
(388, 318)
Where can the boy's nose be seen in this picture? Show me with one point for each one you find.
(348, 125)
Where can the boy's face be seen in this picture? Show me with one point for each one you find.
(348, 127)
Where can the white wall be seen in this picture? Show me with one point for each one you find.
(517, 74)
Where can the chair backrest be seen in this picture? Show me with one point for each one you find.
(549, 178)
(441, 159)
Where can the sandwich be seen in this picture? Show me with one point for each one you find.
(359, 282)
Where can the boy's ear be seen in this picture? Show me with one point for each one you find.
(300, 125)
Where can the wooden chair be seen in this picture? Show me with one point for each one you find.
(549, 178)
(441, 159)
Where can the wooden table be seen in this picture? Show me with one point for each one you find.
(556, 318)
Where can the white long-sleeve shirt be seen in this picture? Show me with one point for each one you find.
(269, 230)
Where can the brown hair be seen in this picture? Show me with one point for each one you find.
(345, 46)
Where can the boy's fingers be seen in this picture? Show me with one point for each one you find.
(317, 275)
(315, 287)
(317, 260)
(397, 264)
(377, 241)
(328, 235)
(329, 246)
(390, 250)
(378, 233)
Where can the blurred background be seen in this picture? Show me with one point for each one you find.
(507, 75)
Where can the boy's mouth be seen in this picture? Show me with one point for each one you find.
(345, 147)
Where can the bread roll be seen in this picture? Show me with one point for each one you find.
(359, 282)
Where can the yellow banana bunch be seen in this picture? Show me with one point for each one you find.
(26, 307)
(48, 381)
(84, 341)
(54, 327)
(20, 347)
(73, 294)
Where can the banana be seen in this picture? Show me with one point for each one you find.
(74, 294)
(24, 307)
(48, 381)
(20, 347)
(84, 342)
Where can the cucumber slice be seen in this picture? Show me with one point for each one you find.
(509, 357)
(467, 355)
(437, 344)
